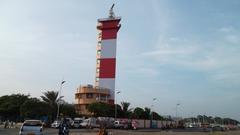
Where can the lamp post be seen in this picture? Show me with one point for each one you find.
(152, 112)
(60, 97)
(177, 113)
(153, 105)
(117, 92)
(177, 110)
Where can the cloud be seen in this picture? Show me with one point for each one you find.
(226, 29)
(219, 62)
(170, 50)
(230, 34)
(147, 71)
(233, 39)
(227, 76)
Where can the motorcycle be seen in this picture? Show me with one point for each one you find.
(64, 131)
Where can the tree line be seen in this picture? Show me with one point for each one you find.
(18, 107)
(100, 109)
(211, 120)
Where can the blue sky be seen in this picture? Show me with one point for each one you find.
(183, 52)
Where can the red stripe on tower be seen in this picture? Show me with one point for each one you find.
(107, 68)
(106, 53)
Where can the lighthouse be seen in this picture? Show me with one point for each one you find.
(104, 88)
(106, 53)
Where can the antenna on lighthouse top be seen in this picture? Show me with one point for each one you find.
(111, 13)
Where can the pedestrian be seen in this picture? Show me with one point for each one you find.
(6, 124)
(11, 125)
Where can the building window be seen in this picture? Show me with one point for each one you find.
(86, 107)
(89, 95)
(103, 97)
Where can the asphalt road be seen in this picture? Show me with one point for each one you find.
(51, 131)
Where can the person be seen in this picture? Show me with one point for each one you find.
(6, 124)
(11, 125)
(102, 131)
(63, 127)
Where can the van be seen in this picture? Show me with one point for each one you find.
(77, 122)
(90, 123)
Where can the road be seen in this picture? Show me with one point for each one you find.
(50, 131)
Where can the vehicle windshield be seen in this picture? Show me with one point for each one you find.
(32, 123)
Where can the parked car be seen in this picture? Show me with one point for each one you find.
(77, 122)
(31, 127)
(107, 122)
(70, 122)
(218, 128)
(118, 124)
(56, 124)
(90, 123)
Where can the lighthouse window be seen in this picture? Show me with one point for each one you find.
(98, 70)
(100, 35)
(98, 51)
(98, 61)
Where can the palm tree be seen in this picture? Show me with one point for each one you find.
(138, 113)
(147, 113)
(125, 109)
(51, 99)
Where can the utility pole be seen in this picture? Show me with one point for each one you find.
(58, 100)
(117, 92)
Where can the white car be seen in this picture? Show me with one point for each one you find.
(56, 124)
(118, 124)
(90, 123)
(31, 127)
(77, 122)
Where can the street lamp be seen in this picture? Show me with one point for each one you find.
(60, 97)
(153, 105)
(117, 92)
(152, 112)
(176, 109)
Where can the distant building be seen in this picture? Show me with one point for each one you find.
(88, 94)
(104, 89)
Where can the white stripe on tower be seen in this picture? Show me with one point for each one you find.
(108, 48)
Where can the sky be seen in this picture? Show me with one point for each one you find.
(179, 52)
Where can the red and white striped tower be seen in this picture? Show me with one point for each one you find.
(106, 53)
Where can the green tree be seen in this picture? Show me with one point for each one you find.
(67, 110)
(33, 108)
(147, 113)
(138, 113)
(10, 106)
(218, 120)
(126, 112)
(156, 116)
(51, 99)
(101, 109)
